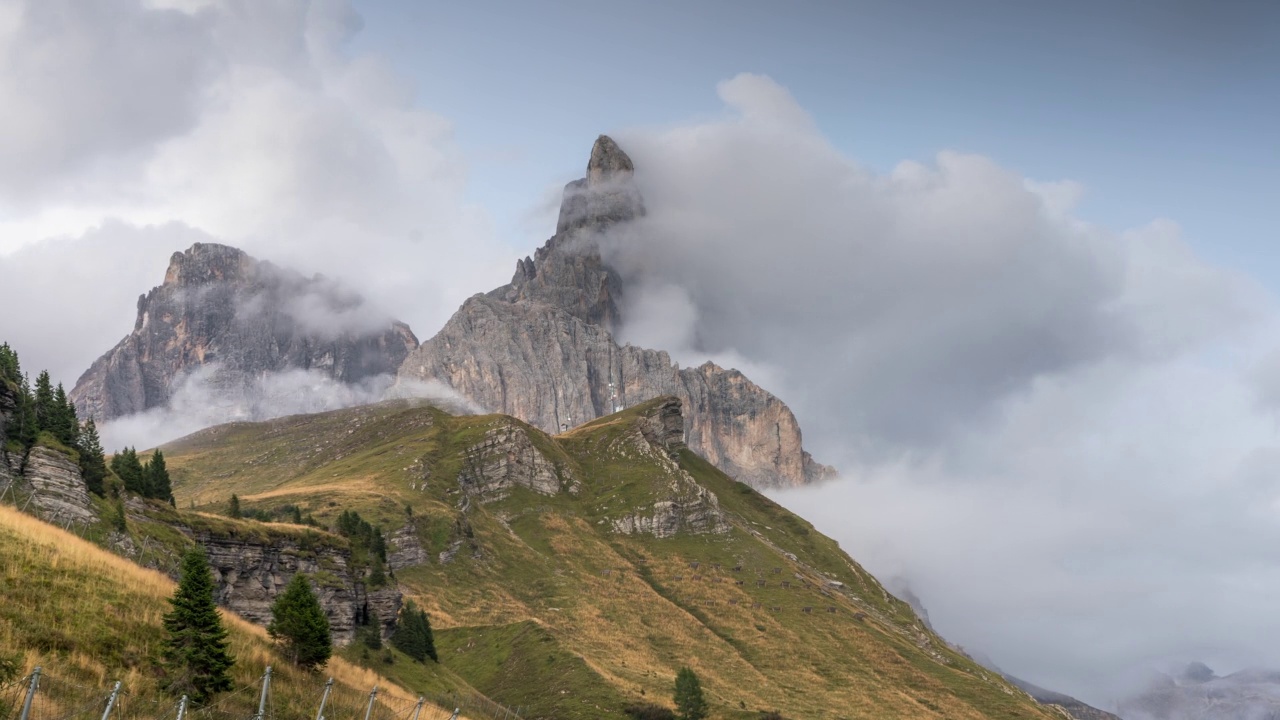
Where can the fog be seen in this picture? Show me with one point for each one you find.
(205, 398)
(1061, 436)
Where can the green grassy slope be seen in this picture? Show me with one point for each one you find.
(546, 605)
(90, 618)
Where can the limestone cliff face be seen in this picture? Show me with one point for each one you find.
(683, 506)
(221, 310)
(542, 348)
(250, 574)
(58, 494)
(507, 458)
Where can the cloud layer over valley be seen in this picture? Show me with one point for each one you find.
(1062, 435)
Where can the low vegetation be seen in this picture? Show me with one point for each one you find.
(91, 618)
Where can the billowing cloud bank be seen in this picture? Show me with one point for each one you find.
(1062, 435)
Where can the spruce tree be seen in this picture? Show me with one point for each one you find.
(689, 700)
(27, 427)
(233, 508)
(127, 467)
(45, 412)
(93, 466)
(64, 424)
(197, 661)
(413, 635)
(157, 479)
(299, 624)
(10, 368)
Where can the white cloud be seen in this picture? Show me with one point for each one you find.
(257, 129)
(1062, 435)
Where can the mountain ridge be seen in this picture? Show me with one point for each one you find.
(542, 347)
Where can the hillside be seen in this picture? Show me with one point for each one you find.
(572, 575)
(90, 618)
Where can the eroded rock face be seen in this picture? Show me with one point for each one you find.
(404, 548)
(249, 575)
(57, 489)
(541, 348)
(688, 507)
(507, 458)
(220, 309)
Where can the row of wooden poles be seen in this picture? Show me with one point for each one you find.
(33, 685)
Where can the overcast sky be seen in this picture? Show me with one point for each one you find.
(1013, 267)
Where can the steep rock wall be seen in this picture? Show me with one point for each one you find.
(221, 310)
(541, 348)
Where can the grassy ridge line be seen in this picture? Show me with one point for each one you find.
(91, 617)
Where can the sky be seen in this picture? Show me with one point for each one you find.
(1013, 266)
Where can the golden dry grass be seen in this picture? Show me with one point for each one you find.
(90, 617)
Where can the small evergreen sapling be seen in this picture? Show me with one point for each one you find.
(299, 624)
(689, 700)
(196, 659)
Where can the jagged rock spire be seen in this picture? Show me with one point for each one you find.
(608, 163)
(607, 195)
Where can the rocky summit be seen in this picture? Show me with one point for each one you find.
(221, 312)
(542, 347)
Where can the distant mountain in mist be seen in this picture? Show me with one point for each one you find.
(228, 337)
(227, 321)
(1197, 693)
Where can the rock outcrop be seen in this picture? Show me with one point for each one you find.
(507, 458)
(250, 573)
(58, 494)
(683, 506)
(541, 348)
(221, 311)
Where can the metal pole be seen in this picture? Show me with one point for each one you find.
(373, 695)
(31, 693)
(182, 707)
(262, 701)
(324, 699)
(111, 701)
(418, 708)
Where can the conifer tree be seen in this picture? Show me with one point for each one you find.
(157, 479)
(413, 635)
(128, 468)
(64, 424)
(197, 661)
(27, 428)
(10, 368)
(689, 700)
(299, 624)
(45, 411)
(93, 466)
(233, 509)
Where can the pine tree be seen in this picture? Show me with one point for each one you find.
(689, 700)
(197, 661)
(413, 635)
(64, 424)
(27, 427)
(157, 479)
(298, 623)
(233, 509)
(93, 466)
(126, 466)
(10, 368)
(45, 411)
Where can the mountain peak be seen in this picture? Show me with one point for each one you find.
(606, 196)
(608, 163)
(207, 262)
